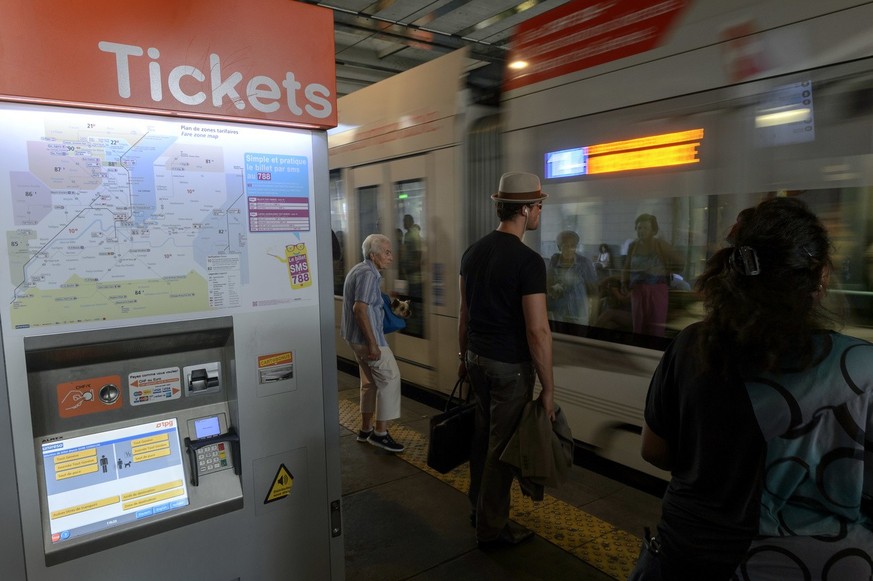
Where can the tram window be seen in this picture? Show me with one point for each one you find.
(596, 253)
(339, 224)
(410, 220)
(599, 272)
(368, 218)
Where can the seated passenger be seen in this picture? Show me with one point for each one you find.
(603, 260)
(763, 418)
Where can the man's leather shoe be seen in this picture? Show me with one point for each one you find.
(510, 535)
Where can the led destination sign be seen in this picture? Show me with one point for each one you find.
(668, 149)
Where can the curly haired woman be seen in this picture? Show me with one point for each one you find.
(764, 418)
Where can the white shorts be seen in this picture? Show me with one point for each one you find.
(380, 383)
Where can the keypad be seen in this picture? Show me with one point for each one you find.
(213, 458)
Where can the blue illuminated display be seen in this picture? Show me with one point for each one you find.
(567, 163)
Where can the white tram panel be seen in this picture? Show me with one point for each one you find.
(826, 161)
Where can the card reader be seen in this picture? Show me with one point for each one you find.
(209, 447)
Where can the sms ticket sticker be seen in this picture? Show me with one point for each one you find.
(297, 259)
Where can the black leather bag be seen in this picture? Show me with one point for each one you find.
(451, 433)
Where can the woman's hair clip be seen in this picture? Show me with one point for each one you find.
(744, 260)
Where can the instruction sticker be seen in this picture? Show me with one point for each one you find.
(155, 385)
(88, 396)
(275, 367)
(281, 487)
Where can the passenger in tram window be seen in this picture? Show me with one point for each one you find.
(646, 276)
(571, 280)
(361, 327)
(764, 418)
(505, 342)
(603, 261)
(398, 240)
(339, 263)
(410, 250)
(410, 271)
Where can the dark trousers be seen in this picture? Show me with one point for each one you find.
(502, 390)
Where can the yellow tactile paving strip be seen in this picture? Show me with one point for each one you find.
(592, 540)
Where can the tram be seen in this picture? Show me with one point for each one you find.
(737, 104)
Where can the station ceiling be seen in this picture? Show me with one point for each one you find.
(375, 40)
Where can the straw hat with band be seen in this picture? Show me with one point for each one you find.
(519, 188)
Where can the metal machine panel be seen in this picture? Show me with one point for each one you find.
(111, 473)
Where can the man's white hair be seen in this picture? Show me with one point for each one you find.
(374, 244)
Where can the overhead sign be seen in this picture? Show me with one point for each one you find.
(586, 33)
(267, 61)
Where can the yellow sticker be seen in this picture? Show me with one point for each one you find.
(281, 485)
(298, 265)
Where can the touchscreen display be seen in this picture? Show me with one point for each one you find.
(112, 478)
(206, 427)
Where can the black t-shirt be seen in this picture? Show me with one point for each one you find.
(498, 270)
(711, 508)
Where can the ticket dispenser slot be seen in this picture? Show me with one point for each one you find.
(202, 378)
(119, 437)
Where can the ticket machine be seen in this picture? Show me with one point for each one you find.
(169, 458)
(168, 402)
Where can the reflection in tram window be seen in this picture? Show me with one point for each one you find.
(339, 224)
(571, 279)
(648, 272)
(692, 229)
(599, 230)
(409, 198)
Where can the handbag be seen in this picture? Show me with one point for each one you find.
(451, 433)
(390, 322)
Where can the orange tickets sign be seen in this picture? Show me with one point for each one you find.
(262, 61)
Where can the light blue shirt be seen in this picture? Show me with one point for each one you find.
(362, 285)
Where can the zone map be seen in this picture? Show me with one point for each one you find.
(114, 219)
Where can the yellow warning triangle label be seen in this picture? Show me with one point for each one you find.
(281, 485)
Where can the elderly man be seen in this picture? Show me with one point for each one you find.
(505, 342)
(362, 329)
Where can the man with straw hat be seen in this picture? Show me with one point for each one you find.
(505, 343)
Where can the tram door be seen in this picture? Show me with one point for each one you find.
(391, 198)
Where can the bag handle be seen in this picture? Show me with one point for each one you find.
(457, 388)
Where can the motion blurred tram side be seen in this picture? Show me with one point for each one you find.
(686, 132)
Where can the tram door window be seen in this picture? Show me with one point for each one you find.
(410, 220)
(368, 217)
(339, 224)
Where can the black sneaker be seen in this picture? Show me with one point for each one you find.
(364, 436)
(386, 442)
(511, 535)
